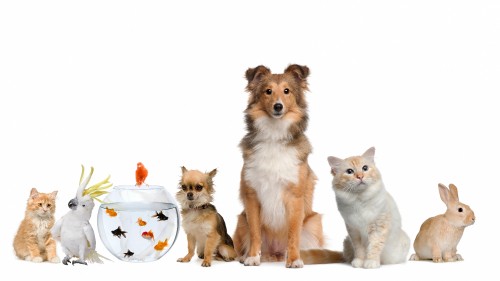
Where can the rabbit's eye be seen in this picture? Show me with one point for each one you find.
(460, 210)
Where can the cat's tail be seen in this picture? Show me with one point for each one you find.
(320, 256)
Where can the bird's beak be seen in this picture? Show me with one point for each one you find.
(73, 203)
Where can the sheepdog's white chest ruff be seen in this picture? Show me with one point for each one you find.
(271, 168)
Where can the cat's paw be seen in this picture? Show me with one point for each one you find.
(357, 263)
(28, 258)
(295, 264)
(414, 257)
(252, 261)
(37, 259)
(371, 264)
(458, 257)
(55, 259)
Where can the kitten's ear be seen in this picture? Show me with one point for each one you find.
(183, 169)
(34, 193)
(334, 164)
(370, 153)
(453, 192)
(53, 195)
(444, 192)
(212, 173)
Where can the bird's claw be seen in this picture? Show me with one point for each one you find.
(79, 261)
(65, 260)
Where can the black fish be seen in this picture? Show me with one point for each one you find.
(160, 216)
(128, 254)
(119, 232)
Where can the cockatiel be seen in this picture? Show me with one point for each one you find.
(140, 174)
(73, 230)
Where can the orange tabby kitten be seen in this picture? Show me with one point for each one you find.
(33, 241)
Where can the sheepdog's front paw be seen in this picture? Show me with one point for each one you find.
(252, 261)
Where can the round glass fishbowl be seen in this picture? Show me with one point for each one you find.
(138, 224)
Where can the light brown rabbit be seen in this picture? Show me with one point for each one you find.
(439, 236)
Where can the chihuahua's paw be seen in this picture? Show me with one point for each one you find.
(295, 264)
(206, 264)
(371, 264)
(458, 257)
(252, 261)
(357, 263)
(183, 260)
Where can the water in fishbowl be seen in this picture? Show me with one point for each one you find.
(138, 231)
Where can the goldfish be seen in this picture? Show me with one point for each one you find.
(128, 254)
(141, 222)
(119, 232)
(161, 245)
(160, 216)
(148, 235)
(111, 212)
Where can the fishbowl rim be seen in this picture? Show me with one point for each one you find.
(138, 188)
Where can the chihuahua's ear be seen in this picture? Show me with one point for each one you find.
(184, 170)
(212, 173)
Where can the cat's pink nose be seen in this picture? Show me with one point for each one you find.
(359, 176)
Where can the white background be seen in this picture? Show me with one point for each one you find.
(111, 83)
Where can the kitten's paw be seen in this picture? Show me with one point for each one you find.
(458, 257)
(295, 264)
(252, 261)
(414, 257)
(357, 263)
(371, 264)
(28, 258)
(55, 259)
(37, 259)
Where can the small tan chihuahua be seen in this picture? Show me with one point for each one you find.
(204, 226)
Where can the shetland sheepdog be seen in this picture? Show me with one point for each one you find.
(277, 184)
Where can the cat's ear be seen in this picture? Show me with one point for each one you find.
(334, 164)
(444, 192)
(370, 154)
(53, 195)
(34, 193)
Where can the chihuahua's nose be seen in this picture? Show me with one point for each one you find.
(190, 196)
(278, 107)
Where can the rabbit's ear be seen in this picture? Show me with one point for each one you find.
(453, 192)
(444, 192)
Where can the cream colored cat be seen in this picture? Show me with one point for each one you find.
(371, 216)
(33, 241)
